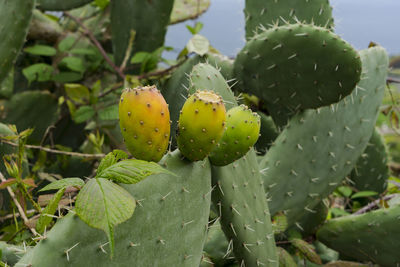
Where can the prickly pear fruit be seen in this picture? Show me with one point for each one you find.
(241, 133)
(201, 124)
(144, 122)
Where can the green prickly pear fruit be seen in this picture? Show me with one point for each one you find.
(201, 124)
(242, 131)
(144, 122)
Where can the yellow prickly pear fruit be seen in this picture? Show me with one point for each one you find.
(201, 124)
(144, 122)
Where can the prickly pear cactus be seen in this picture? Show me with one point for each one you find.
(318, 148)
(10, 254)
(144, 122)
(201, 125)
(239, 198)
(372, 236)
(15, 17)
(149, 19)
(372, 171)
(168, 228)
(268, 133)
(60, 5)
(264, 14)
(298, 66)
(241, 133)
(188, 9)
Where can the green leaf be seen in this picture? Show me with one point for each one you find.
(46, 216)
(41, 50)
(41, 72)
(344, 191)
(83, 114)
(131, 171)
(198, 44)
(364, 194)
(196, 29)
(102, 4)
(65, 77)
(103, 205)
(73, 63)
(77, 92)
(109, 113)
(111, 158)
(336, 212)
(83, 51)
(66, 43)
(139, 57)
(63, 183)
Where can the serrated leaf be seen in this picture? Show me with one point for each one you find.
(109, 113)
(102, 204)
(198, 44)
(63, 183)
(111, 158)
(38, 72)
(47, 214)
(364, 194)
(41, 50)
(83, 114)
(132, 171)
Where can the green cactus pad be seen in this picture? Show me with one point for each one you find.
(266, 13)
(318, 148)
(373, 236)
(217, 247)
(309, 223)
(10, 254)
(223, 64)
(188, 9)
(15, 17)
(372, 170)
(206, 77)
(168, 228)
(241, 133)
(239, 198)
(201, 125)
(31, 109)
(60, 5)
(268, 133)
(149, 19)
(298, 66)
(285, 259)
(144, 122)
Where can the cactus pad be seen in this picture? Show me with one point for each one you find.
(318, 148)
(267, 13)
(144, 122)
(201, 125)
(298, 66)
(168, 228)
(188, 9)
(15, 17)
(241, 133)
(373, 236)
(60, 5)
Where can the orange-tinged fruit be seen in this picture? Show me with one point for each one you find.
(145, 123)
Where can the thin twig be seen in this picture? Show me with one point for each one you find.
(392, 80)
(75, 154)
(10, 216)
(373, 204)
(92, 38)
(20, 209)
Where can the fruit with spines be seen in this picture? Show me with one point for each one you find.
(241, 133)
(201, 125)
(144, 122)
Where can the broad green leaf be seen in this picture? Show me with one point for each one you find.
(344, 191)
(77, 92)
(198, 44)
(65, 77)
(41, 50)
(132, 171)
(109, 113)
(63, 183)
(139, 57)
(66, 43)
(103, 205)
(111, 158)
(38, 72)
(364, 194)
(83, 114)
(47, 214)
(73, 63)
